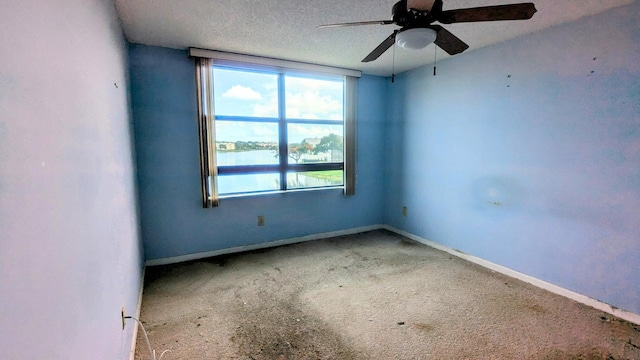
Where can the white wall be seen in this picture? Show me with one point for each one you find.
(70, 255)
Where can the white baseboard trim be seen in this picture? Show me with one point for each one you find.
(596, 304)
(132, 352)
(207, 254)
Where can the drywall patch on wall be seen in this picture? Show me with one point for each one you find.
(497, 191)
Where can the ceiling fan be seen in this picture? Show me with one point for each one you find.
(416, 18)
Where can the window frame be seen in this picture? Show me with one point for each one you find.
(206, 116)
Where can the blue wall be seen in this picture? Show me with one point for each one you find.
(527, 154)
(70, 250)
(172, 218)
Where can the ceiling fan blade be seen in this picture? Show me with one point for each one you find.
(384, 46)
(521, 11)
(375, 22)
(448, 42)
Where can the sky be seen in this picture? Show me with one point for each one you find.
(255, 94)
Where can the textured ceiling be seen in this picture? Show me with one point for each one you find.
(287, 29)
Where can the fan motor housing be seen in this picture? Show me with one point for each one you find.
(405, 17)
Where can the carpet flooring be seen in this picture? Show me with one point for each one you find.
(374, 295)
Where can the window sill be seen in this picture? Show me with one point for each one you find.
(281, 192)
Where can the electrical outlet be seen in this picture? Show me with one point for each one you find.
(404, 211)
(123, 314)
(260, 220)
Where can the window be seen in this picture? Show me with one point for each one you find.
(271, 128)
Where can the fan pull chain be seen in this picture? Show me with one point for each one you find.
(393, 65)
(435, 59)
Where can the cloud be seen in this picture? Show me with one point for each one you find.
(242, 93)
(305, 105)
(246, 131)
(312, 105)
(268, 107)
(309, 98)
(297, 84)
(298, 132)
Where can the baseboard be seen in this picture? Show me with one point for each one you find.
(132, 352)
(596, 304)
(207, 254)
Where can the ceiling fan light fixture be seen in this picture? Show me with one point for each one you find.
(416, 39)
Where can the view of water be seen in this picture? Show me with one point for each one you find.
(230, 184)
(253, 157)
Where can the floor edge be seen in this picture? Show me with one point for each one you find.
(270, 244)
(596, 304)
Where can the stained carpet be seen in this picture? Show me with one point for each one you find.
(374, 295)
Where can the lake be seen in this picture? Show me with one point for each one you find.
(230, 184)
(253, 157)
